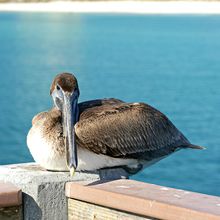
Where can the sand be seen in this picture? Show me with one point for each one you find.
(150, 7)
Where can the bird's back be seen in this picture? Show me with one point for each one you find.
(129, 130)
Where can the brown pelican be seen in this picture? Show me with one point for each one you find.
(100, 133)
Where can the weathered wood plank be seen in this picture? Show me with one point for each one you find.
(10, 195)
(78, 210)
(11, 213)
(147, 199)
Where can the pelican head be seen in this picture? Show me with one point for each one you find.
(65, 93)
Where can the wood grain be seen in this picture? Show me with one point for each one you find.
(78, 210)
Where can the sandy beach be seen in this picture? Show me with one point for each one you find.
(169, 7)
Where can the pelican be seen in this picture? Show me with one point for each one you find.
(100, 133)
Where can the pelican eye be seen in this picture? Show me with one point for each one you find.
(58, 88)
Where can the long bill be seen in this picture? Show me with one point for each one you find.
(70, 117)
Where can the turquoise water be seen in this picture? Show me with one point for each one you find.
(170, 62)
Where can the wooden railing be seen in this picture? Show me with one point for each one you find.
(99, 198)
(128, 199)
(10, 202)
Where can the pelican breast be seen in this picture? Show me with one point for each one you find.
(45, 140)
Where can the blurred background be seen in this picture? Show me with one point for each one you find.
(171, 62)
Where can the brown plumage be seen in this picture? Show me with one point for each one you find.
(129, 130)
(67, 82)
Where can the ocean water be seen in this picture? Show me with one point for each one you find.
(170, 62)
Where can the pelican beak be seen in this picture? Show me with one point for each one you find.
(70, 117)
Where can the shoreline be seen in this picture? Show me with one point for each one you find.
(133, 7)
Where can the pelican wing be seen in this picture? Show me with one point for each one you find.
(131, 130)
